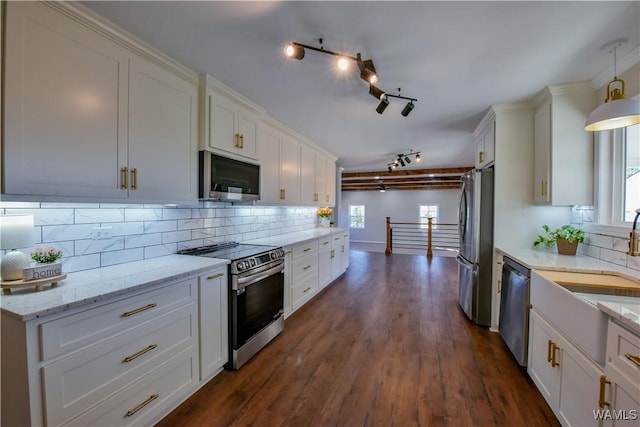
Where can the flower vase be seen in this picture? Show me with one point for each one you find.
(324, 222)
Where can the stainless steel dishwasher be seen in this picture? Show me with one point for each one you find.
(514, 308)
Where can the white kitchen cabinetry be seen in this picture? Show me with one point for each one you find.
(485, 141)
(279, 166)
(91, 114)
(304, 273)
(563, 150)
(344, 251)
(213, 322)
(317, 177)
(123, 361)
(229, 122)
(326, 254)
(621, 385)
(568, 380)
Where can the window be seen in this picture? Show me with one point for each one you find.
(426, 212)
(356, 216)
(631, 183)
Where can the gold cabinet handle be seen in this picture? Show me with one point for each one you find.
(554, 363)
(603, 383)
(306, 249)
(481, 157)
(241, 141)
(139, 353)
(306, 290)
(342, 248)
(236, 142)
(288, 252)
(215, 276)
(325, 243)
(306, 267)
(499, 286)
(543, 187)
(142, 405)
(327, 198)
(336, 238)
(333, 253)
(124, 178)
(138, 310)
(134, 179)
(632, 358)
(315, 197)
(281, 194)
(549, 344)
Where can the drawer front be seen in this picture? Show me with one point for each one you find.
(623, 351)
(306, 249)
(325, 244)
(87, 327)
(149, 399)
(74, 383)
(303, 291)
(304, 266)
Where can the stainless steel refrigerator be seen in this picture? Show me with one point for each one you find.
(475, 261)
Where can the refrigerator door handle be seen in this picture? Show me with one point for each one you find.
(463, 262)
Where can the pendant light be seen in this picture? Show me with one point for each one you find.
(617, 111)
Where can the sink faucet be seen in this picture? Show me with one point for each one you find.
(634, 246)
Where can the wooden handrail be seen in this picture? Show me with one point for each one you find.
(411, 236)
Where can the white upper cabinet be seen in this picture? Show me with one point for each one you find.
(485, 142)
(89, 118)
(279, 167)
(229, 122)
(563, 150)
(317, 177)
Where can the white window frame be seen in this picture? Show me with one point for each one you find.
(609, 184)
(420, 218)
(364, 213)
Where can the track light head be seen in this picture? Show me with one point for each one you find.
(407, 108)
(376, 92)
(342, 63)
(402, 162)
(367, 70)
(407, 159)
(417, 157)
(384, 102)
(294, 51)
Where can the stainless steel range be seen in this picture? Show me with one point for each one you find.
(256, 295)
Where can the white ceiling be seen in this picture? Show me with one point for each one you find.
(457, 58)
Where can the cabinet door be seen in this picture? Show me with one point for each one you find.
(248, 124)
(289, 162)
(324, 263)
(223, 123)
(162, 134)
(331, 182)
(321, 195)
(65, 106)
(542, 155)
(307, 175)
(214, 344)
(579, 387)
(624, 399)
(544, 375)
(489, 143)
(269, 150)
(344, 262)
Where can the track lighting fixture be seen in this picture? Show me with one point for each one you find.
(379, 93)
(403, 160)
(367, 70)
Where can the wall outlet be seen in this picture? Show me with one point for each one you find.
(101, 233)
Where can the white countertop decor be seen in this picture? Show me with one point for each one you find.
(90, 286)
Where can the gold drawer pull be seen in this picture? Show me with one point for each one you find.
(282, 194)
(333, 253)
(138, 310)
(549, 344)
(139, 353)
(215, 276)
(336, 238)
(306, 267)
(124, 178)
(306, 250)
(134, 179)
(288, 252)
(306, 290)
(632, 358)
(481, 157)
(554, 363)
(325, 243)
(142, 405)
(601, 401)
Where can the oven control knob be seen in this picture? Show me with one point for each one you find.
(253, 262)
(245, 264)
(239, 266)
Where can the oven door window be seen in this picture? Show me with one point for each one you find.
(255, 308)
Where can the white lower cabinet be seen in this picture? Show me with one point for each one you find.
(213, 321)
(124, 361)
(312, 266)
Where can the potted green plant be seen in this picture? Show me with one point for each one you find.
(567, 237)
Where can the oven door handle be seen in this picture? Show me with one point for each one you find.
(249, 280)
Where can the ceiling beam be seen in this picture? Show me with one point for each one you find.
(396, 172)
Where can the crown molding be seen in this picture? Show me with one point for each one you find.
(623, 65)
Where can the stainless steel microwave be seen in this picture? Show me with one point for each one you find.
(223, 178)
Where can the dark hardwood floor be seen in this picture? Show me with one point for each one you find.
(384, 345)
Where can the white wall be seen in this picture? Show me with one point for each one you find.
(401, 206)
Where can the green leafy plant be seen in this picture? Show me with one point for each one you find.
(46, 255)
(566, 232)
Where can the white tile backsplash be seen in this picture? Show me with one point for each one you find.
(146, 231)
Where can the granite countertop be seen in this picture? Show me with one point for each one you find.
(625, 310)
(85, 287)
(290, 239)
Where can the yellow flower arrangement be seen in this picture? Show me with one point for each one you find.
(325, 212)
